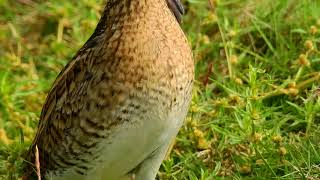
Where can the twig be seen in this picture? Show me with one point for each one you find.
(38, 163)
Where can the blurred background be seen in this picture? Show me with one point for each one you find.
(255, 112)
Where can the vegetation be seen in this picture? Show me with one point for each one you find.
(255, 112)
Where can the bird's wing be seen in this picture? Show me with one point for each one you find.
(66, 125)
(67, 94)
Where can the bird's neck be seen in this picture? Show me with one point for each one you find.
(125, 7)
(118, 11)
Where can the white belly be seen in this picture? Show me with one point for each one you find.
(128, 146)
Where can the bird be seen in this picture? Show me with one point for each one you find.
(116, 106)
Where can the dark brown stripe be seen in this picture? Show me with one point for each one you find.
(85, 144)
(64, 160)
(91, 133)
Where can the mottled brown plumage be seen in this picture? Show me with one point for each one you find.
(113, 110)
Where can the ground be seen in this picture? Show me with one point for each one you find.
(255, 112)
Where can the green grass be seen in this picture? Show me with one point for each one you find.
(255, 112)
